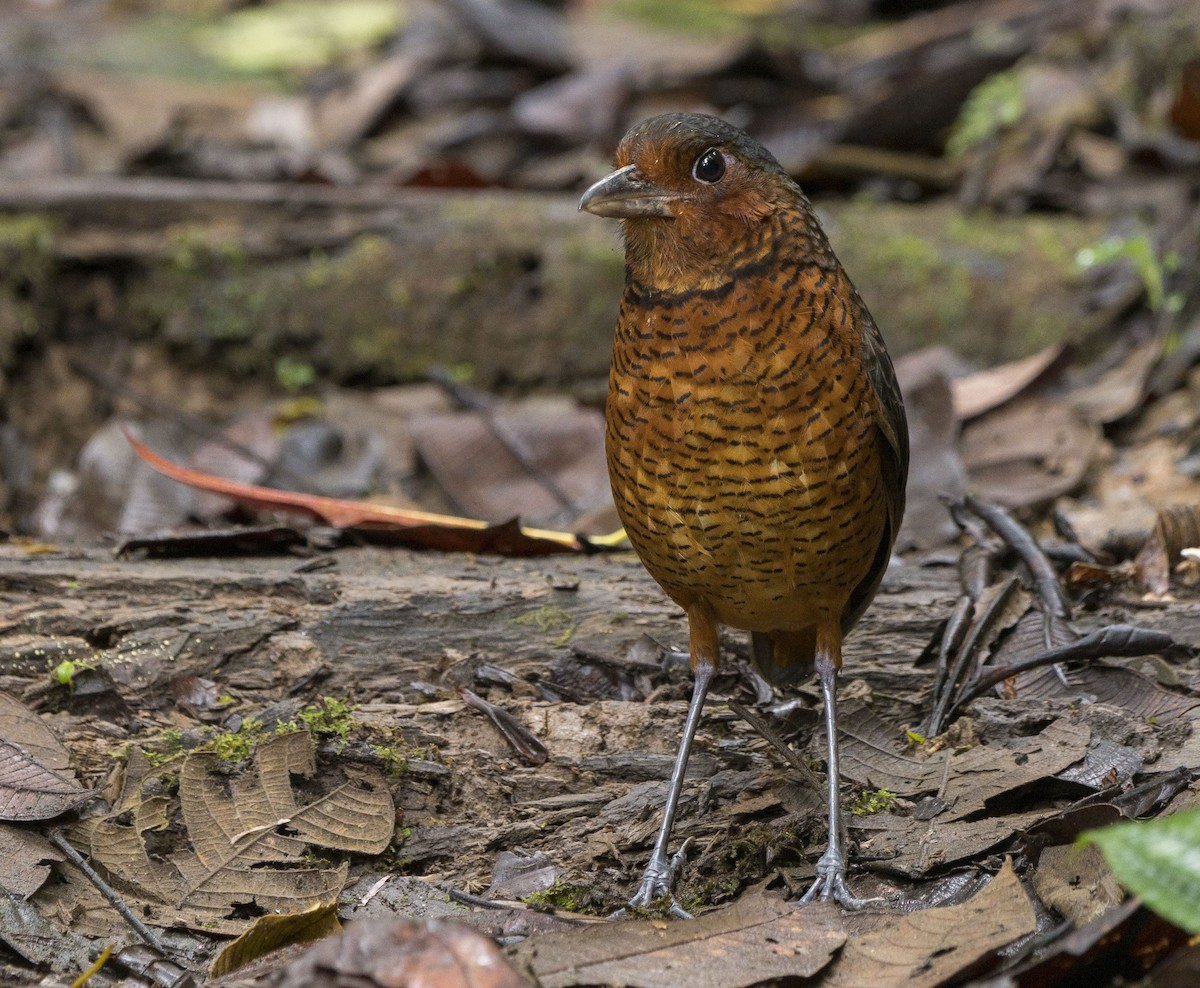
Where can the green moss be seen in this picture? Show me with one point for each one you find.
(549, 619)
(869, 803)
(296, 34)
(165, 749)
(990, 287)
(329, 718)
(236, 746)
(27, 266)
(393, 757)
(708, 18)
(294, 375)
(564, 896)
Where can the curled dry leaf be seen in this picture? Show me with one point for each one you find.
(1176, 528)
(274, 932)
(419, 529)
(249, 836)
(980, 392)
(24, 861)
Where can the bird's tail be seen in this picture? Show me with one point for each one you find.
(783, 658)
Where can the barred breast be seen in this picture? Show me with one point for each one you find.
(743, 445)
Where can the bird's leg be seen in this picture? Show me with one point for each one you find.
(659, 877)
(831, 868)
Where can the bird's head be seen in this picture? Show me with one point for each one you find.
(690, 189)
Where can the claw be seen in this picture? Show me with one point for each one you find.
(830, 884)
(658, 882)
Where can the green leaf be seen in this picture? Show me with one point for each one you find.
(297, 34)
(993, 106)
(1158, 860)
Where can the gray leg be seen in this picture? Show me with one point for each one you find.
(831, 868)
(659, 877)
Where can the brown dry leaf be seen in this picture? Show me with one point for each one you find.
(927, 948)
(757, 938)
(418, 529)
(234, 824)
(30, 791)
(40, 940)
(936, 470)
(872, 753)
(434, 953)
(1133, 692)
(982, 391)
(1176, 528)
(1076, 883)
(136, 114)
(481, 474)
(1185, 106)
(24, 861)
(1120, 391)
(985, 772)
(916, 848)
(234, 821)
(117, 843)
(22, 726)
(1028, 453)
(274, 932)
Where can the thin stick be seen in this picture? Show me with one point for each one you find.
(79, 861)
(776, 742)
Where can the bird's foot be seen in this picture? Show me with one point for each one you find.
(658, 882)
(830, 885)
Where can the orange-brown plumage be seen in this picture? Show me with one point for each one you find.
(756, 439)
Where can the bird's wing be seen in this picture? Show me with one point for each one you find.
(892, 440)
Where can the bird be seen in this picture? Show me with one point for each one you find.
(755, 434)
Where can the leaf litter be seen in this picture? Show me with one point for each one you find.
(1107, 447)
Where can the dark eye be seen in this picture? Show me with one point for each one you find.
(709, 167)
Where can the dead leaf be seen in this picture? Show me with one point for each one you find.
(1028, 453)
(927, 948)
(1125, 942)
(917, 848)
(433, 953)
(249, 835)
(1076, 883)
(30, 791)
(1121, 390)
(987, 772)
(1176, 528)
(477, 458)
(237, 824)
(22, 726)
(757, 938)
(980, 392)
(872, 753)
(421, 529)
(1185, 106)
(937, 471)
(24, 861)
(39, 940)
(273, 932)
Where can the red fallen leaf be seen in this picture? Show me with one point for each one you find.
(415, 529)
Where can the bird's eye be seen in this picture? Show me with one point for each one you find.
(709, 167)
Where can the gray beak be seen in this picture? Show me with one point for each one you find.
(625, 195)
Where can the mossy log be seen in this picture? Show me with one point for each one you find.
(377, 285)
